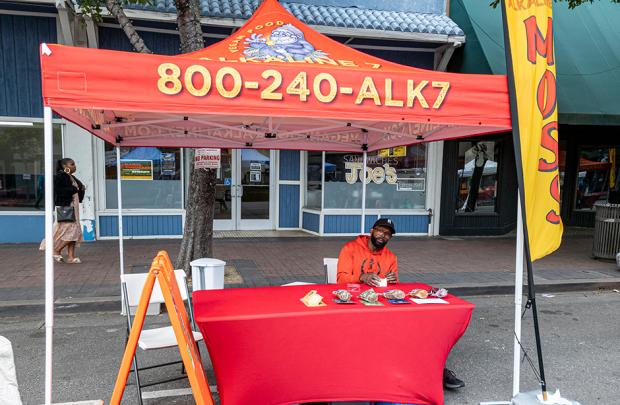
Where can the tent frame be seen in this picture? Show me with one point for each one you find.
(479, 105)
(49, 262)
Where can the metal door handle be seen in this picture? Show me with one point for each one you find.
(240, 192)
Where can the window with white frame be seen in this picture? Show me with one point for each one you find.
(395, 177)
(22, 167)
(151, 178)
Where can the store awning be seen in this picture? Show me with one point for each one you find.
(586, 48)
(273, 84)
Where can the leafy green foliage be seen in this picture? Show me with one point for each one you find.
(571, 3)
(92, 8)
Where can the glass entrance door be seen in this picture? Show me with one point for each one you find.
(254, 189)
(244, 197)
(224, 208)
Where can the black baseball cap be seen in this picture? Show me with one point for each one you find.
(386, 223)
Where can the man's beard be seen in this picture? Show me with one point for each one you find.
(376, 243)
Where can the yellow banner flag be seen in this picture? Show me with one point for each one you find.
(528, 36)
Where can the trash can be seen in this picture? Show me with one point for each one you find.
(207, 274)
(606, 231)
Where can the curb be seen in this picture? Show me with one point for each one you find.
(470, 289)
(61, 306)
(113, 303)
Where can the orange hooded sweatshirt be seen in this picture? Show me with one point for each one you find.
(356, 257)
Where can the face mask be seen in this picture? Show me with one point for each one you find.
(376, 243)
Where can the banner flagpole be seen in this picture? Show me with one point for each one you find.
(530, 67)
(531, 300)
(516, 371)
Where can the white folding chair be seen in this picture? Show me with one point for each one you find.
(155, 338)
(331, 269)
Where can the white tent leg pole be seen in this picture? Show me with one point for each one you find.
(516, 374)
(49, 247)
(119, 196)
(364, 161)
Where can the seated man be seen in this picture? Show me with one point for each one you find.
(366, 259)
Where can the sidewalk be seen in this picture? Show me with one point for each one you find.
(464, 265)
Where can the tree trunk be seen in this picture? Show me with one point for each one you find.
(199, 208)
(200, 205)
(188, 21)
(116, 9)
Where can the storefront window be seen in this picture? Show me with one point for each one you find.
(598, 173)
(151, 177)
(396, 179)
(477, 177)
(404, 186)
(22, 182)
(338, 192)
(313, 180)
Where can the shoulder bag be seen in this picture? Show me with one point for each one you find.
(65, 214)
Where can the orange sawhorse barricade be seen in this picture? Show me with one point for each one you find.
(163, 271)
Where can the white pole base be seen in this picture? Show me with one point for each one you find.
(531, 398)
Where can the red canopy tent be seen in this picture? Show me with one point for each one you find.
(273, 84)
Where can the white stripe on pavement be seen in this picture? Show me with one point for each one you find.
(167, 393)
(172, 393)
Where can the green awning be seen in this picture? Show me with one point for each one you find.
(587, 48)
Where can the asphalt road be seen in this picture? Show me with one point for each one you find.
(580, 334)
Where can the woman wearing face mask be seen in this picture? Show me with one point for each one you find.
(68, 194)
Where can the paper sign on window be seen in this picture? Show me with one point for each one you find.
(136, 169)
(412, 184)
(397, 151)
(255, 177)
(168, 164)
(207, 158)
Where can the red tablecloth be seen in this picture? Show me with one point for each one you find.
(268, 348)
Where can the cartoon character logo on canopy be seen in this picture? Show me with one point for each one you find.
(286, 43)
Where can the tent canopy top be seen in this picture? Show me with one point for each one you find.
(273, 84)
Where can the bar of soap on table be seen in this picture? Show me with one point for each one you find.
(343, 295)
(369, 296)
(313, 299)
(418, 293)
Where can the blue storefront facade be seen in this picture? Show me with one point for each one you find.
(257, 189)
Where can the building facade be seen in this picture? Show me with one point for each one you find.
(464, 187)
(257, 189)
(588, 80)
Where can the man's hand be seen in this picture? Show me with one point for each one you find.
(370, 278)
(391, 278)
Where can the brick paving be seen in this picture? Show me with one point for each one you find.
(273, 261)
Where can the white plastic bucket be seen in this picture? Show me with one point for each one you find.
(207, 274)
